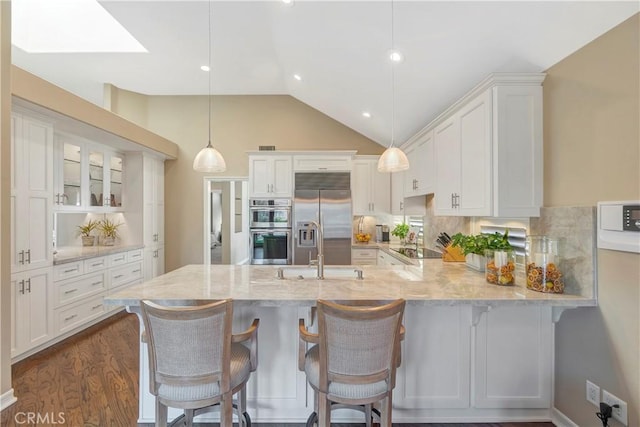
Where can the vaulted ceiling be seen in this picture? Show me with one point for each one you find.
(338, 48)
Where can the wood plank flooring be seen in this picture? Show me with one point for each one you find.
(91, 380)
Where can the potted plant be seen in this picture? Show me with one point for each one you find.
(109, 231)
(401, 231)
(85, 232)
(473, 247)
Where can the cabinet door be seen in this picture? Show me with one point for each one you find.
(69, 185)
(435, 376)
(410, 175)
(380, 189)
(513, 358)
(97, 196)
(397, 193)
(33, 311)
(281, 177)
(259, 176)
(31, 198)
(446, 138)
(425, 162)
(361, 187)
(475, 157)
(116, 171)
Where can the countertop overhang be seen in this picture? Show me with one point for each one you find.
(435, 283)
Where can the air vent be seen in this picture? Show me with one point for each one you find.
(267, 148)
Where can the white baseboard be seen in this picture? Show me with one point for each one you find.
(7, 399)
(561, 420)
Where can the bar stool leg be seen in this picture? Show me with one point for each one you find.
(226, 410)
(367, 414)
(161, 414)
(188, 417)
(324, 411)
(385, 412)
(242, 406)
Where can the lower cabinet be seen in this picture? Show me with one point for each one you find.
(50, 304)
(153, 262)
(31, 314)
(364, 256)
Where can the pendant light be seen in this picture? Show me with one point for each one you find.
(209, 159)
(393, 159)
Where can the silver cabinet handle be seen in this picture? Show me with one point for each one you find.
(21, 286)
(118, 276)
(21, 255)
(401, 205)
(66, 319)
(96, 283)
(96, 306)
(28, 261)
(70, 291)
(57, 198)
(97, 264)
(28, 282)
(70, 271)
(457, 200)
(136, 271)
(452, 201)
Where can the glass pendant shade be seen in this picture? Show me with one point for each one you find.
(209, 160)
(393, 160)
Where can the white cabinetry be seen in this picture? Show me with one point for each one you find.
(405, 206)
(153, 216)
(513, 358)
(31, 314)
(488, 150)
(88, 176)
(370, 189)
(270, 176)
(364, 256)
(323, 161)
(420, 177)
(436, 355)
(31, 193)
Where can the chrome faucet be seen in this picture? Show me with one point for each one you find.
(320, 247)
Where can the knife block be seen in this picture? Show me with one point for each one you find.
(452, 254)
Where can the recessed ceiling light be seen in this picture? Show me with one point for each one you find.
(297, 77)
(288, 2)
(205, 68)
(366, 114)
(42, 26)
(396, 56)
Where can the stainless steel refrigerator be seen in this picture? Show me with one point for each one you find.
(325, 198)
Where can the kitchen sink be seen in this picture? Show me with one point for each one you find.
(304, 272)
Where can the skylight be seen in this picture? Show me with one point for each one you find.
(68, 26)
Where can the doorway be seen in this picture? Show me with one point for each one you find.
(226, 212)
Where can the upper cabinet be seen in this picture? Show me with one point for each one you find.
(370, 189)
(31, 191)
(270, 176)
(488, 150)
(420, 177)
(339, 161)
(88, 176)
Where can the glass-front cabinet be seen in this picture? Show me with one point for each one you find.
(89, 177)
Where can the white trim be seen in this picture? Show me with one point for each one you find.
(561, 420)
(7, 399)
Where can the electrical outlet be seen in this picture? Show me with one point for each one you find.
(593, 394)
(620, 413)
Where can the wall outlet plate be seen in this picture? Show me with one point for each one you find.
(620, 413)
(593, 394)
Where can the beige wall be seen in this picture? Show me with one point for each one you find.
(592, 153)
(239, 124)
(5, 189)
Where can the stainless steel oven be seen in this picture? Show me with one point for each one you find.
(270, 213)
(270, 246)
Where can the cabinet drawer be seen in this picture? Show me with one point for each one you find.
(123, 286)
(68, 270)
(135, 255)
(364, 261)
(118, 259)
(364, 253)
(95, 264)
(76, 315)
(73, 290)
(125, 274)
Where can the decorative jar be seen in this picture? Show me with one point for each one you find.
(500, 266)
(88, 240)
(543, 264)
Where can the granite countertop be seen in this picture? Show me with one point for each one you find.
(388, 247)
(77, 253)
(435, 283)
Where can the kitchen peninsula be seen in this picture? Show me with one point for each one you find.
(472, 352)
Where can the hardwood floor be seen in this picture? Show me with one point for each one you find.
(91, 379)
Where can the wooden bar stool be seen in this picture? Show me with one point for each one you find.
(195, 361)
(354, 359)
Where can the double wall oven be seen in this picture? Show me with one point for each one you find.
(270, 230)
